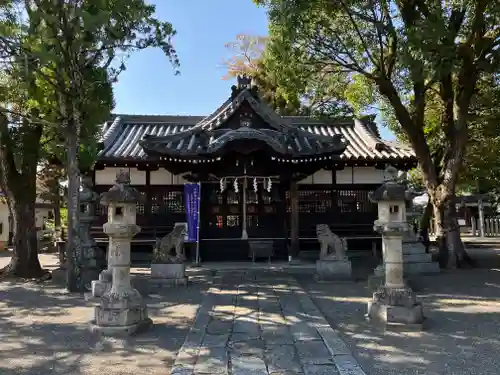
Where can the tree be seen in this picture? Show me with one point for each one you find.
(79, 44)
(246, 59)
(402, 54)
(30, 134)
(20, 134)
(316, 98)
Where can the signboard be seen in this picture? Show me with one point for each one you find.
(192, 204)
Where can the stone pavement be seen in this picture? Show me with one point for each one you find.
(264, 327)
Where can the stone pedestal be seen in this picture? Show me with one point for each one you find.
(416, 260)
(333, 270)
(121, 310)
(168, 274)
(396, 307)
(103, 284)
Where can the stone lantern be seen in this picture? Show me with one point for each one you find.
(394, 303)
(121, 309)
(93, 256)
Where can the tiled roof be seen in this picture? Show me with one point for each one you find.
(121, 136)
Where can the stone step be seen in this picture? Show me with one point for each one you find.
(418, 258)
(421, 268)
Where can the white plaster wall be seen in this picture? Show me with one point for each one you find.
(163, 177)
(348, 175)
(107, 176)
(360, 175)
(4, 219)
(320, 177)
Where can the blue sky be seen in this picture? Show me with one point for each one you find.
(149, 85)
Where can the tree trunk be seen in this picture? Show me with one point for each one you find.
(451, 249)
(57, 217)
(425, 222)
(20, 188)
(74, 279)
(24, 262)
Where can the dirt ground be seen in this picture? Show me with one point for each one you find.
(43, 330)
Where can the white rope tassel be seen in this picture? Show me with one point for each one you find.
(255, 186)
(236, 188)
(269, 184)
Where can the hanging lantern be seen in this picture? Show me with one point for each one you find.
(235, 184)
(255, 186)
(269, 184)
(222, 184)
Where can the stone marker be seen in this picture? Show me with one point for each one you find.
(93, 256)
(394, 303)
(121, 310)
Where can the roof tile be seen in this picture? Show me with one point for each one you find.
(121, 136)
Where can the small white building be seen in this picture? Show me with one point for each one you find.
(43, 212)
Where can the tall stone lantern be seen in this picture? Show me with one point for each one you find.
(93, 256)
(121, 310)
(394, 303)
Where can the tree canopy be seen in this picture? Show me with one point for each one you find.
(417, 61)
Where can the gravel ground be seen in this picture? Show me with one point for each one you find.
(462, 337)
(43, 330)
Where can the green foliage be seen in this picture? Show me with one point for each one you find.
(313, 96)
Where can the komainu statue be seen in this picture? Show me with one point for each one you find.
(333, 247)
(162, 252)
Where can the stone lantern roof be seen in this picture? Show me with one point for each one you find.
(391, 189)
(121, 192)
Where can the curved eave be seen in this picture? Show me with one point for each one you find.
(296, 145)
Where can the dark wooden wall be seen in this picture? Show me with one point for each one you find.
(346, 208)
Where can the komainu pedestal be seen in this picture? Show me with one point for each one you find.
(121, 310)
(333, 263)
(167, 267)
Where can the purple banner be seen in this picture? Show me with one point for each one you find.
(192, 204)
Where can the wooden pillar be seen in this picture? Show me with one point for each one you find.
(294, 220)
(147, 190)
(481, 218)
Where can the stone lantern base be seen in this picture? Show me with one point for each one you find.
(103, 285)
(396, 307)
(121, 315)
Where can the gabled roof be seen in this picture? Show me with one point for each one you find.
(257, 122)
(121, 136)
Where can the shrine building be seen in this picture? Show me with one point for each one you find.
(262, 175)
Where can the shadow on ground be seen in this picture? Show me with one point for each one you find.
(43, 330)
(462, 337)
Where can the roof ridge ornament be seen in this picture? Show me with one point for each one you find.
(244, 82)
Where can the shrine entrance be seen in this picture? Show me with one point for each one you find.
(221, 219)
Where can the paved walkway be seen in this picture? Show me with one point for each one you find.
(265, 327)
